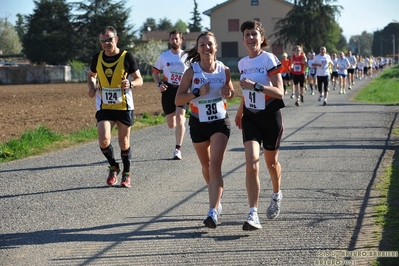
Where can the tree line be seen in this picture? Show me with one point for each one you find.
(58, 32)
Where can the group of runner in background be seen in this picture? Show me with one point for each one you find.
(343, 70)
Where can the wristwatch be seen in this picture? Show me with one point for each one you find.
(159, 83)
(196, 92)
(258, 87)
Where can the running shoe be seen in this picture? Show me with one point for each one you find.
(320, 97)
(125, 179)
(212, 220)
(112, 176)
(252, 222)
(177, 154)
(297, 103)
(301, 98)
(312, 93)
(292, 96)
(324, 103)
(349, 88)
(274, 208)
(343, 91)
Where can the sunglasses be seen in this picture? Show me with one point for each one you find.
(106, 40)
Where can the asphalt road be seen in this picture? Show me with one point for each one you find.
(56, 209)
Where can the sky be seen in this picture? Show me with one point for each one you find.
(356, 17)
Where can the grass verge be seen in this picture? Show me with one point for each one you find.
(381, 90)
(41, 140)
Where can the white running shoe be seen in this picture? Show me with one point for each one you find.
(320, 97)
(212, 220)
(274, 208)
(252, 222)
(177, 154)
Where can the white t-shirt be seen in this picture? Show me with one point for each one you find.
(325, 61)
(343, 65)
(258, 69)
(352, 61)
(172, 65)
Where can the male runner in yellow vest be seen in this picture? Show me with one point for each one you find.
(111, 67)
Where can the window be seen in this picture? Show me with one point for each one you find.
(229, 49)
(234, 25)
(254, 2)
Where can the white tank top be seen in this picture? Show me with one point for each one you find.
(212, 106)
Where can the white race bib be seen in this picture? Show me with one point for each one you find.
(297, 68)
(111, 96)
(175, 78)
(253, 99)
(211, 110)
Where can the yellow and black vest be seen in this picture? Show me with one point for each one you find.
(110, 77)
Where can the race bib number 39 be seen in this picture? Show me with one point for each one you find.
(254, 100)
(111, 96)
(211, 110)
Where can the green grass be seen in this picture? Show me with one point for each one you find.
(387, 209)
(385, 90)
(382, 90)
(42, 140)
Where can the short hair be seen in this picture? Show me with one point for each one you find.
(176, 32)
(253, 24)
(106, 29)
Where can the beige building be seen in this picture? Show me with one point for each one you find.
(226, 19)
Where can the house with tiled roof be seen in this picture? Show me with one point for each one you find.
(227, 17)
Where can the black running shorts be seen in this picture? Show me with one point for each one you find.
(125, 117)
(266, 127)
(168, 99)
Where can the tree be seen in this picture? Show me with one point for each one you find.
(384, 40)
(149, 25)
(336, 41)
(362, 43)
(50, 37)
(20, 26)
(165, 25)
(181, 26)
(147, 54)
(196, 19)
(92, 16)
(9, 41)
(309, 23)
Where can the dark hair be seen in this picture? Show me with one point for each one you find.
(253, 24)
(176, 32)
(192, 54)
(107, 29)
